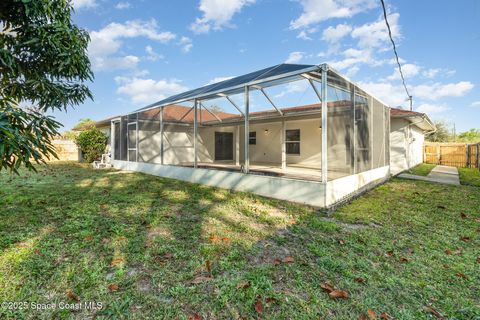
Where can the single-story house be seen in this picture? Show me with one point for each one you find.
(321, 153)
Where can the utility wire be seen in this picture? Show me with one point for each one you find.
(396, 54)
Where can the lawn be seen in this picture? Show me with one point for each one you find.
(147, 247)
(422, 169)
(469, 176)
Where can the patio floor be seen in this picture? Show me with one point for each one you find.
(292, 171)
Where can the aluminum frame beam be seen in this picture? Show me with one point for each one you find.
(323, 98)
(246, 141)
(234, 104)
(206, 109)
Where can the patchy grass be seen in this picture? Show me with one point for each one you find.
(422, 169)
(147, 247)
(469, 176)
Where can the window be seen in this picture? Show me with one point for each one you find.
(292, 139)
(252, 138)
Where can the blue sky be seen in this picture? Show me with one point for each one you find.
(142, 51)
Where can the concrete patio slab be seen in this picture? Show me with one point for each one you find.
(439, 174)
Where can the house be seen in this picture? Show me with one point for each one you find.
(321, 153)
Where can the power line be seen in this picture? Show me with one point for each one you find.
(396, 54)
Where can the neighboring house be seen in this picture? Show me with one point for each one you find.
(320, 154)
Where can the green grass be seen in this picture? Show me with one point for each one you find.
(62, 228)
(422, 169)
(469, 176)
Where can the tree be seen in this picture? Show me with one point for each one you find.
(83, 123)
(43, 62)
(92, 143)
(442, 134)
(472, 135)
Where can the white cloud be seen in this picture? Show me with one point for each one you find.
(108, 41)
(395, 95)
(294, 87)
(152, 55)
(475, 104)
(294, 57)
(303, 35)
(186, 44)
(116, 63)
(316, 11)
(432, 108)
(123, 5)
(433, 73)
(148, 90)
(217, 14)
(80, 4)
(409, 70)
(375, 34)
(437, 90)
(218, 79)
(334, 34)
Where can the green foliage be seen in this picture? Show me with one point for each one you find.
(25, 135)
(443, 133)
(92, 143)
(83, 123)
(43, 61)
(472, 135)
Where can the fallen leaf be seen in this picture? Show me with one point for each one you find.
(88, 238)
(200, 279)
(448, 251)
(213, 238)
(37, 252)
(293, 221)
(342, 242)
(385, 316)
(478, 259)
(339, 294)
(461, 275)
(288, 259)
(403, 259)
(327, 287)
(208, 266)
(360, 280)
(226, 239)
(113, 287)
(390, 253)
(371, 314)
(71, 295)
(194, 316)
(431, 310)
(116, 261)
(259, 305)
(277, 261)
(465, 239)
(243, 284)
(270, 300)
(446, 266)
(463, 215)
(167, 255)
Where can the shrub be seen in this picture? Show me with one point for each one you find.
(92, 143)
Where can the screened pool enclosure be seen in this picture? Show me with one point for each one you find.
(297, 132)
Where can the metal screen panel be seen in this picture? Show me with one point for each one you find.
(362, 133)
(378, 137)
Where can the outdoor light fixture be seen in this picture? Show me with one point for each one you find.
(266, 131)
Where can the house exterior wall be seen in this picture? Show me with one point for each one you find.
(406, 145)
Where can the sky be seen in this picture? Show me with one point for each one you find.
(143, 51)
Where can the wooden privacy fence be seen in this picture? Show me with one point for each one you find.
(452, 154)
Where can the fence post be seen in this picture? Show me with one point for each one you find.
(468, 155)
(478, 155)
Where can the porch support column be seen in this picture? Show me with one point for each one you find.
(195, 133)
(112, 138)
(136, 140)
(161, 135)
(246, 168)
(284, 146)
(324, 164)
(237, 145)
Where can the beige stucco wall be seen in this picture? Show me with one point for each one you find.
(406, 145)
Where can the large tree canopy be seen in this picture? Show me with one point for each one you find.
(44, 63)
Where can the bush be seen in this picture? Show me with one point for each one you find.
(92, 143)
